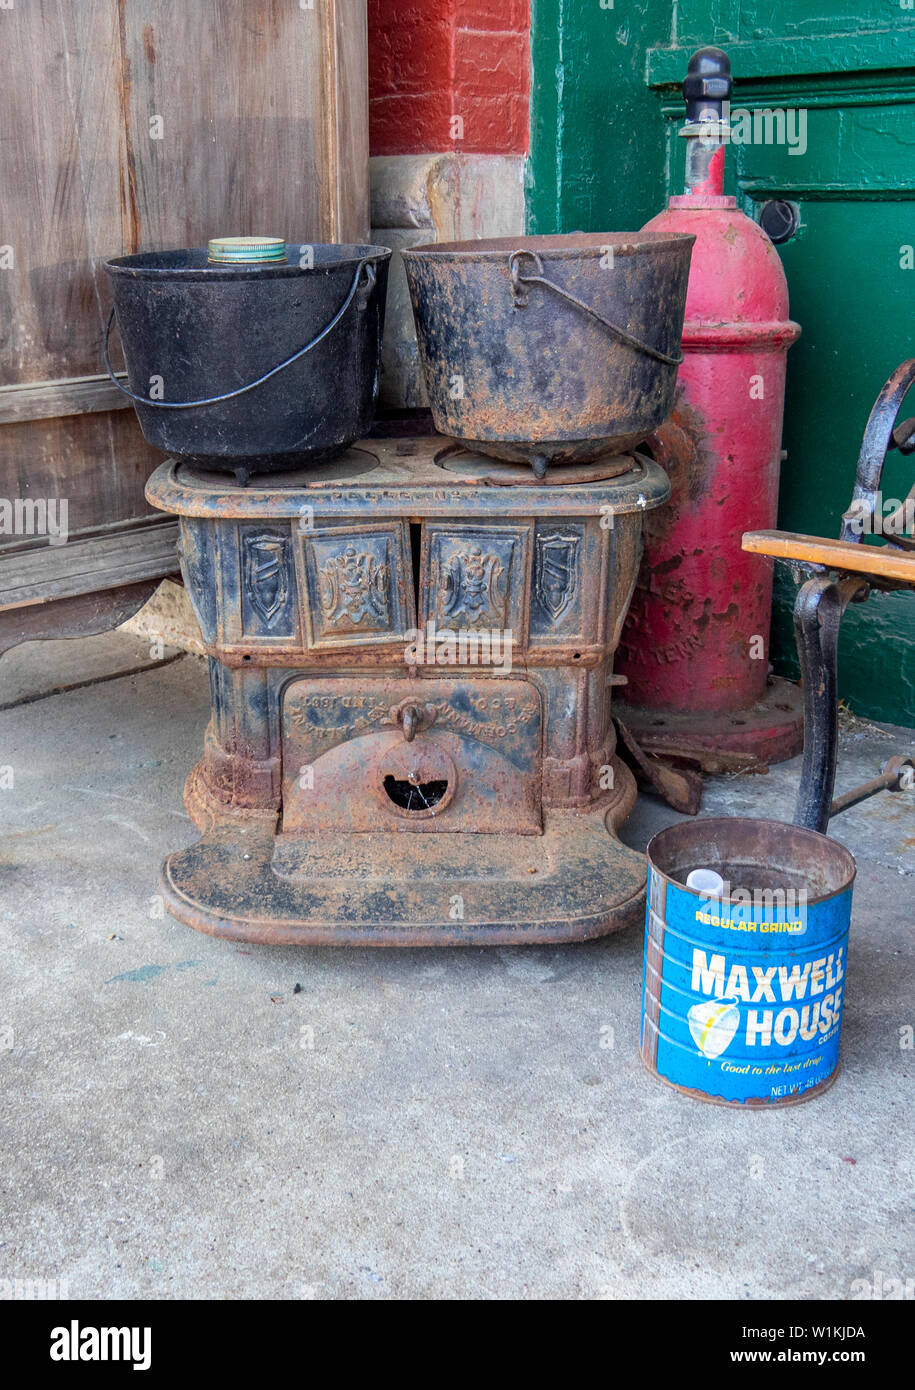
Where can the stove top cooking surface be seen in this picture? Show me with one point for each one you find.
(379, 462)
(478, 468)
(352, 467)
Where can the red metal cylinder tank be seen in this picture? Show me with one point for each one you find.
(695, 648)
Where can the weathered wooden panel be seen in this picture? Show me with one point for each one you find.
(47, 400)
(112, 557)
(141, 124)
(238, 119)
(99, 462)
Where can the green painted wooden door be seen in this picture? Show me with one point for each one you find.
(605, 155)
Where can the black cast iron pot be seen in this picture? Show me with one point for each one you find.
(252, 368)
(551, 348)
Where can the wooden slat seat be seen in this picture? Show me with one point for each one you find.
(851, 557)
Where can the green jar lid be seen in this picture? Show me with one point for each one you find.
(246, 250)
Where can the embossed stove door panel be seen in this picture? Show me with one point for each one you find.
(357, 583)
(475, 577)
(473, 763)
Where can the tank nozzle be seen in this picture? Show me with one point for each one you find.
(707, 89)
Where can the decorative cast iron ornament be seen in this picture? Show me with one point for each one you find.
(472, 590)
(555, 572)
(266, 574)
(354, 589)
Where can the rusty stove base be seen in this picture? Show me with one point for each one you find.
(770, 731)
(575, 881)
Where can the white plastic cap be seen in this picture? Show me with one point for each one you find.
(706, 881)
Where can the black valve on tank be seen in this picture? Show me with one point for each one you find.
(707, 85)
(707, 89)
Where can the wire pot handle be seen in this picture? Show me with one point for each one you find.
(364, 288)
(519, 294)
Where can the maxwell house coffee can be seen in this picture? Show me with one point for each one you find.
(743, 988)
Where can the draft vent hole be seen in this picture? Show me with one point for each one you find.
(414, 796)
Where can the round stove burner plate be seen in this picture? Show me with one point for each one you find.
(349, 467)
(477, 468)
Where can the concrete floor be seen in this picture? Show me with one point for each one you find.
(451, 1126)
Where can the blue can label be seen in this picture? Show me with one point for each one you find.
(743, 1001)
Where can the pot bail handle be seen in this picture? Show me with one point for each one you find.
(360, 290)
(519, 296)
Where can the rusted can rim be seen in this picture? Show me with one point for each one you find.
(562, 246)
(756, 1104)
(723, 830)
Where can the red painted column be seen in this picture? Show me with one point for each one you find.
(449, 75)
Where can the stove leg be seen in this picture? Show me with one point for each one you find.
(818, 614)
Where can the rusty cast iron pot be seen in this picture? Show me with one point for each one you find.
(550, 348)
(260, 367)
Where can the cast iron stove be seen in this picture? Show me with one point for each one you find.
(410, 654)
